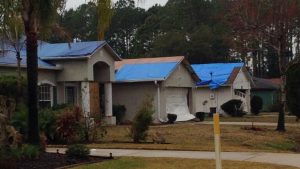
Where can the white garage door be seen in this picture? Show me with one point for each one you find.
(177, 104)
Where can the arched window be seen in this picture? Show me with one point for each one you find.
(45, 95)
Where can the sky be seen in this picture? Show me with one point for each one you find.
(146, 4)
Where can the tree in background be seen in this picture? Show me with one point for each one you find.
(192, 28)
(269, 24)
(292, 88)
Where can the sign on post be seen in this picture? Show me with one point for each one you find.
(217, 133)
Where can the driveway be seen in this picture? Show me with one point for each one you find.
(250, 123)
(272, 158)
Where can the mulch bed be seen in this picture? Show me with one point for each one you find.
(47, 161)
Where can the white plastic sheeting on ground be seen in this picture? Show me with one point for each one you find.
(177, 104)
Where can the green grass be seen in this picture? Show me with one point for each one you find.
(175, 163)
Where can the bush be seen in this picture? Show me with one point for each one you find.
(256, 105)
(9, 86)
(119, 112)
(233, 108)
(30, 151)
(142, 121)
(293, 90)
(172, 118)
(78, 151)
(200, 116)
(68, 125)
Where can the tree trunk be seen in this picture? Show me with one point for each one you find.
(19, 76)
(282, 69)
(32, 74)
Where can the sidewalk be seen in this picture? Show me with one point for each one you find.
(250, 123)
(272, 158)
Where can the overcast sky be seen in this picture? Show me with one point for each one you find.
(146, 4)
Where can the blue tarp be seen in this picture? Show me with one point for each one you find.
(214, 75)
(9, 59)
(69, 49)
(145, 71)
(47, 50)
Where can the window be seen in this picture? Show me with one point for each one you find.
(70, 95)
(44, 96)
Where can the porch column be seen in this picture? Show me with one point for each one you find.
(85, 96)
(108, 104)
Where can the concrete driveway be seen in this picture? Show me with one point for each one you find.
(272, 158)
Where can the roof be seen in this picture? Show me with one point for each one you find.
(277, 81)
(48, 51)
(264, 84)
(119, 64)
(76, 50)
(8, 59)
(149, 69)
(215, 75)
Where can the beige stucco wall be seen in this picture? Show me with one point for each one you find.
(72, 70)
(180, 78)
(132, 95)
(101, 56)
(83, 69)
(202, 94)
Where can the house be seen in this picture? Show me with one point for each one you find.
(72, 73)
(220, 83)
(167, 80)
(268, 90)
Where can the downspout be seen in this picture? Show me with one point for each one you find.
(158, 102)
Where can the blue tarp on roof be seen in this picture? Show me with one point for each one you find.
(69, 49)
(145, 71)
(214, 75)
(9, 59)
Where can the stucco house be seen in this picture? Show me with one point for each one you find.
(220, 83)
(74, 73)
(167, 80)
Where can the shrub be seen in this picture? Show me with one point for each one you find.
(78, 151)
(142, 121)
(68, 125)
(292, 89)
(256, 105)
(9, 86)
(200, 116)
(233, 108)
(119, 112)
(171, 118)
(30, 151)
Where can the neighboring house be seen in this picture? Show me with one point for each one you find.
(221, 82)
(167, 80)
(71, 73)
(268, 90)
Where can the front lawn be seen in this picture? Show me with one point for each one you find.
(197, 136)
(172, 163)
(263, 117)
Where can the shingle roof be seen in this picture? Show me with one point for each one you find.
(217, 74)
(264, 84)
(119, 64)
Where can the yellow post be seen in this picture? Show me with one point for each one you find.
(217, 133)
